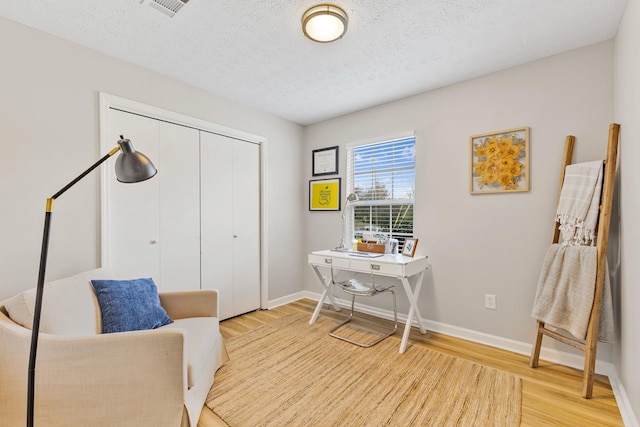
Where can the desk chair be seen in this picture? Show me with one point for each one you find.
(359, 288)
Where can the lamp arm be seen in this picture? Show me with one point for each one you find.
(35, 329)
(85, 173)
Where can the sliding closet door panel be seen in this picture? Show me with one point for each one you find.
(154, 226)
(246, 226)
(134, 221)
(179, 207)
(216, 174)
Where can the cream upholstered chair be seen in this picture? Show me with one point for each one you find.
(360, 288)
(84, 377)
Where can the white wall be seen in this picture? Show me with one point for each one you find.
(50, 133)
(627, 113)
(483, 244)
(476, 244)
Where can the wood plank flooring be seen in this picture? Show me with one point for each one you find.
(551, 394)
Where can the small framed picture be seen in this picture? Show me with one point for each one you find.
(409, 247)
(324, 194)
(325, 161)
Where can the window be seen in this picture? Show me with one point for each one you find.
(383, 176)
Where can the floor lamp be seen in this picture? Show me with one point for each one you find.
(353, 197)
(131, 166)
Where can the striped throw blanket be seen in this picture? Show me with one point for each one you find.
(579, 203)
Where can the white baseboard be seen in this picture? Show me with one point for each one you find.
(293, 298)
(552, 355)
(626, 411)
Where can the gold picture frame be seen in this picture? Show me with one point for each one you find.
(500, 162)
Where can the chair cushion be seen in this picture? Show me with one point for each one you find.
(201, 341)
(129, 305)
(69, 306)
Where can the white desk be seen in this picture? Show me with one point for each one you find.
(396, 266)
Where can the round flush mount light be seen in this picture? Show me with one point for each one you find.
(324, 23)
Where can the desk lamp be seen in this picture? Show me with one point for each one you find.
(131, 166)
(353, 197)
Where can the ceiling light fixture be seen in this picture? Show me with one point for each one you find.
(324, 23)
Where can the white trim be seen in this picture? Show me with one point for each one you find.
(567, 359)
(382, 139)
(624, 405)
(264, 229)
(118, 103)
(551, 355)
(292, 298)
(108, 101)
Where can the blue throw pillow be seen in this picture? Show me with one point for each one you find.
(129, 305)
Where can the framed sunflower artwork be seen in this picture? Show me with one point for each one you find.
(500, 162)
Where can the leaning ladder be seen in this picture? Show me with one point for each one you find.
(589, 346)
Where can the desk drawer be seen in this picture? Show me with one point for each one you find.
(382, 268)
(328, 261)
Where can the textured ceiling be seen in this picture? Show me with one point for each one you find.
(254, 52)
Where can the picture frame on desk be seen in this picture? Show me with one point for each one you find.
(324, 194)
(409, 248)
(324, 161)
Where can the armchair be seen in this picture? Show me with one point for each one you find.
(157, 377)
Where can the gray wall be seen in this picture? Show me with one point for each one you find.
(50, 133)
(490, 243)
(627, 273)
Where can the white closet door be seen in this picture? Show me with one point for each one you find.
(216, 218)
(230, 222)
(154, 226)
(179, 207)
(246, 226)
(133, 220)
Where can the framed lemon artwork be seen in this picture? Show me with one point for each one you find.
(324, 194)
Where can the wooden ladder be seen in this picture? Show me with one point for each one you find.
(604, 219)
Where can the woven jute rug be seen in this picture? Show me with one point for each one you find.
(290, 373)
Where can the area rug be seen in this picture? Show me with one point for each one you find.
(290, 373)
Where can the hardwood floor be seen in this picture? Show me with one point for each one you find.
(551, 394)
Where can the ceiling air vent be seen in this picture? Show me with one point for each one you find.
(169, 7)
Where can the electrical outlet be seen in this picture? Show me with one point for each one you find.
(490, 301)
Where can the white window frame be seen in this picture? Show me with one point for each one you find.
(350, 188)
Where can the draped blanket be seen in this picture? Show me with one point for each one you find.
(566, 291)
(566, 287)
(579, 203)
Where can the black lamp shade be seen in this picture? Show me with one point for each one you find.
(131, 165)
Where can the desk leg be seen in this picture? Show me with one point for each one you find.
(325, 284)
(414, 311)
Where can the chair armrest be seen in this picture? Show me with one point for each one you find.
(185, 304)
(126, 379)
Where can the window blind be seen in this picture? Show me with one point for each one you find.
(382, 174)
